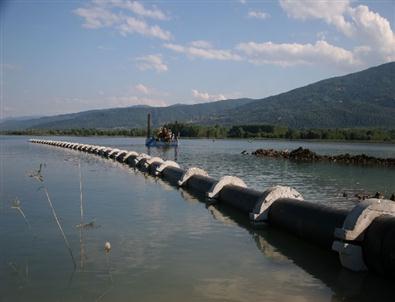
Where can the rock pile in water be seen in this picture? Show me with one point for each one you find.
(306, 155)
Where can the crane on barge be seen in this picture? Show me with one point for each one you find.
(164, 137)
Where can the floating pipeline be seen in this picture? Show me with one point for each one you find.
(364, 237)
(306, 155)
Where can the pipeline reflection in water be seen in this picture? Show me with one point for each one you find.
(281, 247)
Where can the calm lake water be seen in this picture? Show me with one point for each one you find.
(166, 244)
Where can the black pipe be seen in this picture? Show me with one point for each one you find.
(113, 155)
(172, 174)
(120, 157)
(379, 246)
(142, 165)
(241, 198)
(311, 221)
(200, 183)
(130, 160)
(153, 166)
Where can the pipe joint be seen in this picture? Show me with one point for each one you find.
(225, 181)
(261, 210)
(351, 234)
(189, 173)
(165, 164)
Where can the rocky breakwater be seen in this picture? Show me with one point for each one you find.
(306, 155)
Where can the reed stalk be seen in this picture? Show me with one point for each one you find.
(66, 241)
(17, 206)
(82, 251)
(39, 177)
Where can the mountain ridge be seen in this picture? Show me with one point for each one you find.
(361, 99)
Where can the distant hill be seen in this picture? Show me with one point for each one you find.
(361, 99)
(129, 117)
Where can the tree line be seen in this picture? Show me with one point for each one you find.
(239, 131)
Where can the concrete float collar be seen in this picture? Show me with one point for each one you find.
(121, 152)
(261, 210)
(129, 154)
(167, 163)
(354, 226)
(225, 181)
(151, 160)
(189, 173)
(140, 157)
(113, 151)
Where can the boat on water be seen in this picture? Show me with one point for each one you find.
(164, 137)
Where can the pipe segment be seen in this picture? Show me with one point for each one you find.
(312, 221)
(378, 246)
(141, 165)
(172, 174)
(200, 184)
(244, 199)
(153, 167)
(131, 160)
(121, 154)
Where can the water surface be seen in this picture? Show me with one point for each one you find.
(167, 245)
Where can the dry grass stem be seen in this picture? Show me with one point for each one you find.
(82, 250)
(37, 174)
(16, 204)
(60, 226)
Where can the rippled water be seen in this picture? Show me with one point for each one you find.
(318, 182)
(166, 244)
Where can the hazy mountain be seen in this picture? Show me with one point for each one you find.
(361, 99)
(129, 117)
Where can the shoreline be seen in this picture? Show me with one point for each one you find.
(249, 140)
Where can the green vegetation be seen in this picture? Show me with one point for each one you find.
(270, 131)
(78, 132)
(240, 131)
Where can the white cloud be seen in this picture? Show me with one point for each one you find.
(151, 62)
(139, 9)
(330, 11)
(97, 17)
(293, 54)
(374, 31)
(123, 101)
(205, 96)
(371, 31)
(243, 1)
(258, 14)
(200, 44)
(133, 25)
(134, 6)
(142, 89)
(100, 14)
(204, 52)
(285, 54)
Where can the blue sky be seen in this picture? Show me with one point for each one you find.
(69, 56)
